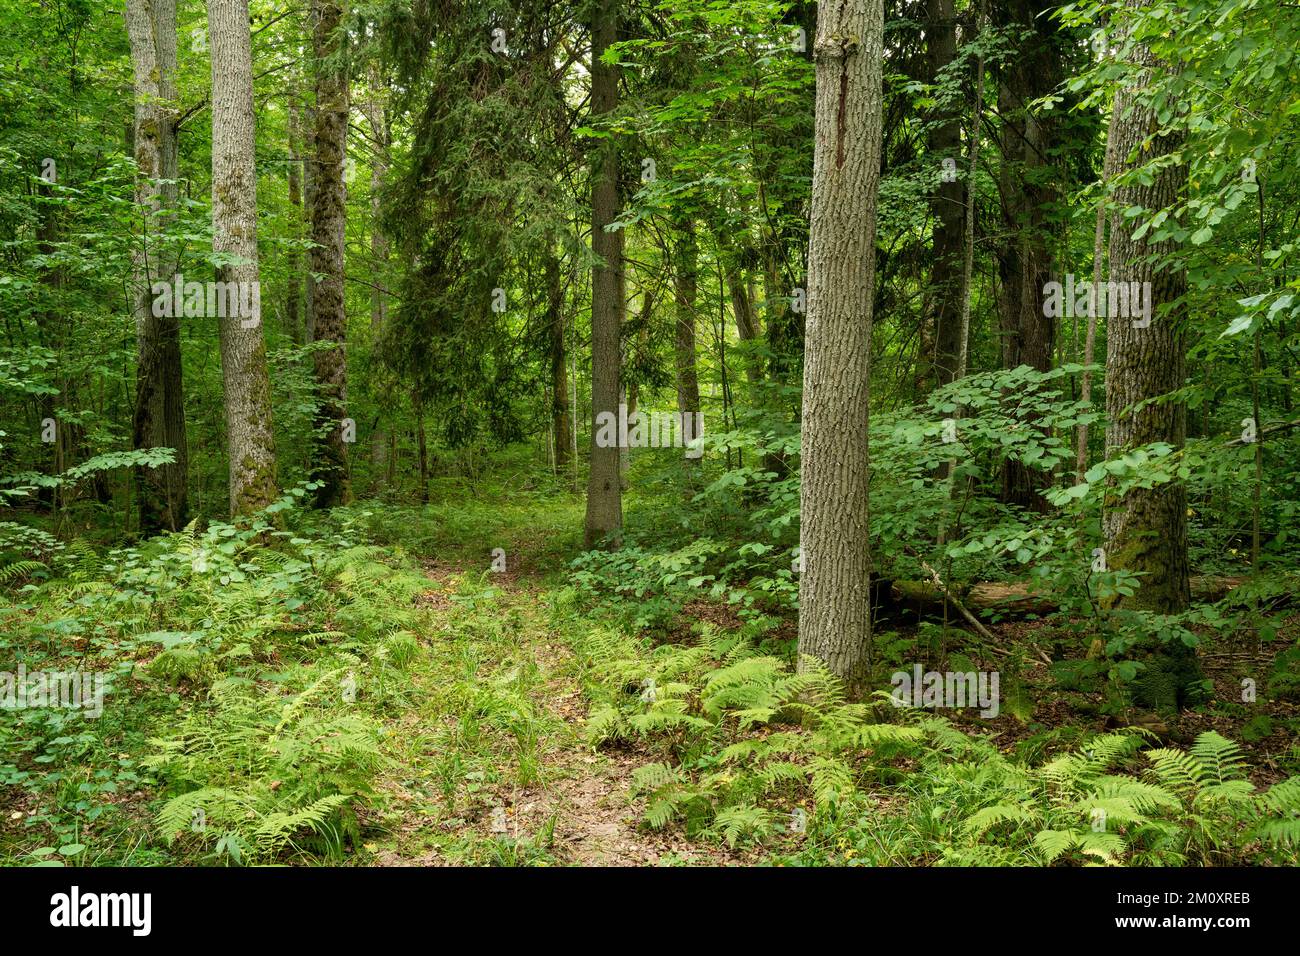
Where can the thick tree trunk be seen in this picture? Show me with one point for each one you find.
(604, 492)
(328, 219)
(159, 414)
(249, 433)
(834, 616)
(1146, 528)
(1028, 190)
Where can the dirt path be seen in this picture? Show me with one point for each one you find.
(571, 808)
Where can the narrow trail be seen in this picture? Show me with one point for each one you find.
(491, 764)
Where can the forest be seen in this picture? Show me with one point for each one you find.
(624, 433)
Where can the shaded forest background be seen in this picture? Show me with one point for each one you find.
(866, 252)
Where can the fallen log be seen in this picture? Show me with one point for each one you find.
(1018, 598)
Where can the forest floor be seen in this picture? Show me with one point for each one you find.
(493, 764)
(503, 708)
(506, 706)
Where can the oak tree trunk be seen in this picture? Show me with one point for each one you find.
(834, 616)
(159, 414)
(1145, 529)
(249, 433)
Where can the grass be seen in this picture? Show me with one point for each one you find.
(368, 691)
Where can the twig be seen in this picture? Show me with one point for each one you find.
(975, 622)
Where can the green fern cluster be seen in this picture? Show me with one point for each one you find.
(256, 775)
(746, 740)
(762, 735)
(1116, 803)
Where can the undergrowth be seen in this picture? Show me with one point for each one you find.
(743, 748)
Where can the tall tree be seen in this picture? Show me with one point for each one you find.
(249, 435)
(159, 416)
(293, 261)
(941, 322)
(834, 615)
(376, 111)
(685, 283)
(328, 220)
(561, 423)
(1028, 188)
(604, 493)
(1146, 528)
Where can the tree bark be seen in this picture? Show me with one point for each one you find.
(604, 491)
(1028, 190)
(561, 424)
(685, 283)
(249, 433)
(941, 327)
(159, 414)
(380, 133)
(328, 220)
(293, 261)
(309, 204)
(1146, 529)
(834, 616)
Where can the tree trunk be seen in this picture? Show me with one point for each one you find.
(328, 219)
(742, 309)
(309, 204)
(234, 233)
(379, 131)
(834, 616)
(560, 422)
(293, 261)
(1146, 529)
(686, 281)
(937, 363)
(604, 493)
(159, 414)
(1025, 258)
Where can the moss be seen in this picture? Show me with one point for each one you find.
(258, 489)
(1171, 679)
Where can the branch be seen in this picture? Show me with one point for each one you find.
(1270, 430)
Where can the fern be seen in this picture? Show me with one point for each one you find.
(19, 570)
